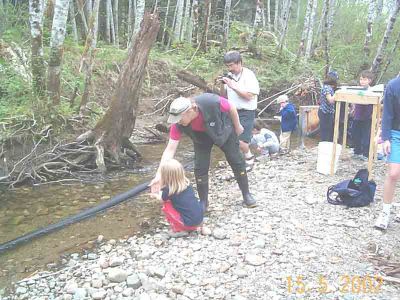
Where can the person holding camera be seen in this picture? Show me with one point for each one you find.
(208, 120)
(241, 87)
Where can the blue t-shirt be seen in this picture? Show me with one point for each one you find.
(324, 105)
(187, 204)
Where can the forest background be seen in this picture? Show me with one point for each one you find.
(62, 63)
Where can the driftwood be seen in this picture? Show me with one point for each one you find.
(197, 81)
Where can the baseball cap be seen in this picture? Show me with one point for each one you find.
(177, 108)
(333, 74)
(282, 98)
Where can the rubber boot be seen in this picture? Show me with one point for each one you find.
(243, 182)
(202, 190)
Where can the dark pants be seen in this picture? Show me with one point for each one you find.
(202, 154)
(326, 122)
(361, 136)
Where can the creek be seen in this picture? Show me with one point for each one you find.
(29, 208)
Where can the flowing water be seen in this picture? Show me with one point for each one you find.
(29, 208)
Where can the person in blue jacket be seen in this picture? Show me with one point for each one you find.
(288, 119)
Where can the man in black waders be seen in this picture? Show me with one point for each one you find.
(207, 119)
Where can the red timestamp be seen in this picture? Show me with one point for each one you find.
(354, 284)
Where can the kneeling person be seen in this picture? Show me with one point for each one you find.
(266, 140)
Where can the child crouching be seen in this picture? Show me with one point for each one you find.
(182, 209)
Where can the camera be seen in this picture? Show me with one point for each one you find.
(226, 75)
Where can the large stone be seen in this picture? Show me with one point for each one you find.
(255, 260)
(117, 275)
(116, 261)
(133, 281)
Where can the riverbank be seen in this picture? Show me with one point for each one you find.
(293, 237)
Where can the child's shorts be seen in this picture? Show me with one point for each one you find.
(394, 156)
(174, 218)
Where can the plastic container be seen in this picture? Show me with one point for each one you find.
(325, 157)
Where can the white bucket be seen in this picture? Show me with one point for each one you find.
(324, 159)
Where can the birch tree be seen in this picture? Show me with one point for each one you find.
(189, 30)
(332, 13)
(368, 33)
(130, 22)
(88, 54)
(116, 25)
(376, 64)
(195, 20)
(178, 20)
(108, 21)
(285, 23)
(276, 16)
(257, 22)
(306, 27)
(226, 23)
(310, 34)
(165, 23)
(82, 14)
(73, 21)
(56, 49)
(37, 61)
(269, 14)
(325, 36)
(390, 57)
(186, 21)
(139, 12)
(379, 9)
(204, 38)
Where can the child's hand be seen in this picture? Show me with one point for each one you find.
(155, 196)
(386, 147)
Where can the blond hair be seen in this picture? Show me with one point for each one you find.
(173, 176)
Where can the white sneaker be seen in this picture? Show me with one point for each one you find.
(383, 221)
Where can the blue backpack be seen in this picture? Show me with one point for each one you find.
(356, 192)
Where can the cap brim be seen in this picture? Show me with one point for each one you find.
(174, 119)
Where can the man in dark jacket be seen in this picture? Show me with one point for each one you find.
(208, 120)
(288, 121)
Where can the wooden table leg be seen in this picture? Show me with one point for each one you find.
(346, 119)
(335, 136)
(372, 140)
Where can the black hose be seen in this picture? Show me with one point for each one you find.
(87, 213)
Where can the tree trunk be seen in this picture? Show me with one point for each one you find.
(130, 22)
(178, 20)
(37, 61)
(73, 21)
(269, 14)
(108, 21)
(112, 28)
(165, 24)
(298, 13)
(286, 16)
(306, 27)
(113, 131)
(311, 30)
(332, 13)
(325, 36)
(116, 25)
(225, 25)
(257, 24)
(390, 57)
(186, 20)
(88, 9)
(83, 17)
(196, 33)
(88, 55)
(276, 16)
(189, 31)
(376, 64)
(368, 33)
(139, 12)
(56, 49)
(204, 38)
(379, 9)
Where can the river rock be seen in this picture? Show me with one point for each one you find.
(99, 295)
(97, 283)
(219, 234)
(71, 287)
(255, 260)
(116, 261)
(133, 281)
(117, 275)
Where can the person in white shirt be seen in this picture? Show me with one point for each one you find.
(264, 139)
(241, 87)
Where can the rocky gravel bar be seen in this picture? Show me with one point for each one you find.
(293, 245)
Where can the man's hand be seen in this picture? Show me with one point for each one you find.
(155, 184)
(239, 130)
(231, 83)
(386, 147)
